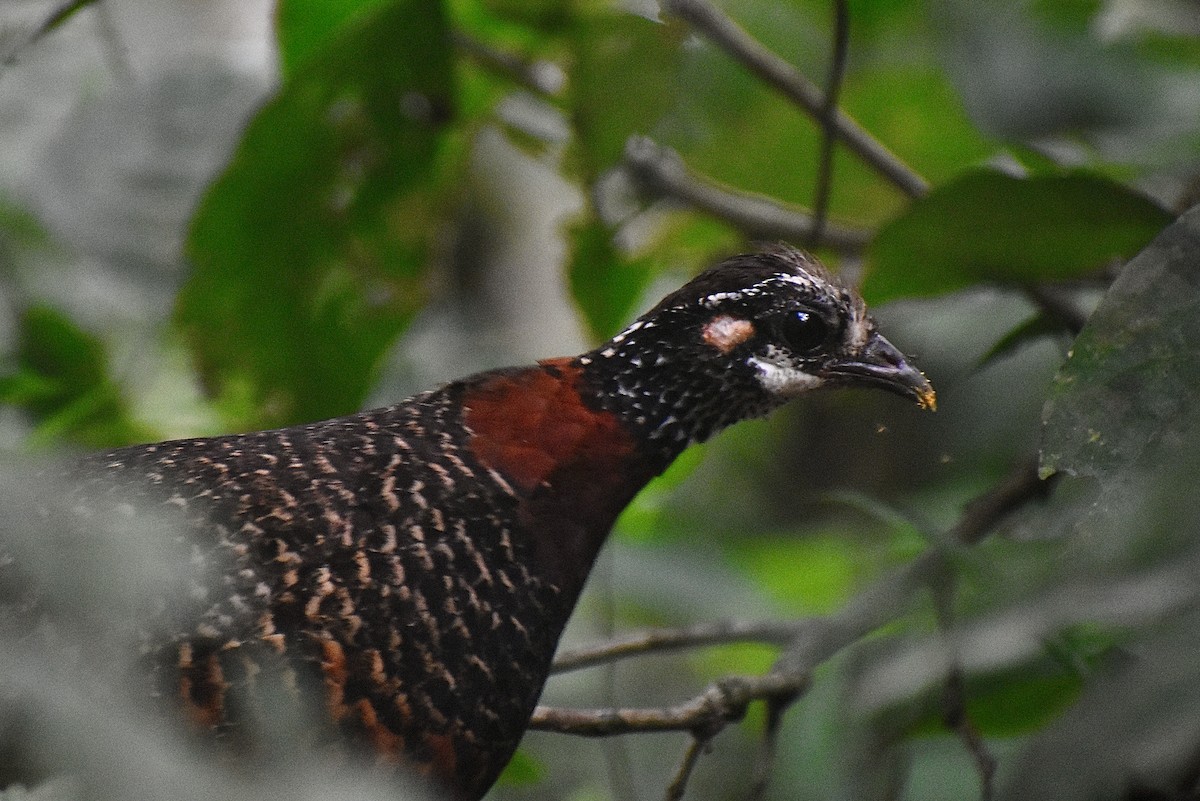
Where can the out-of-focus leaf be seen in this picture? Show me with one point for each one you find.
(304, 28)
(1132, 381)
(522, 770)
(309, 251)
(545, 15)
(811, 575)
(19, 230)
(1134, 725)
(1076, 16)
(1009, 704)
(648, 517)
(737, 659)
(987, 227)
(915, 111)
(604, 282)
(61, 378)
(1035, 328)
(624, 80)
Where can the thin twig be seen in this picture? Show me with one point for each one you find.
(954, 692)
(616, 750)
(542, 77)
(696, 747)
(768, 747)
(659, 171)
(777, 632)
(723, 702)
(954, 706)
(726, 34)
(810, 642)
(833, 88)
(57, 17)
(983, 513)
(1053, 303)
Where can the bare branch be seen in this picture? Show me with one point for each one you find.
(1060, 308)
(768, 747)
(542, 77)
(809, 643)
(731, 38)
(954, 705)
(954, 693)
(659, 171)
(985, 511)
(778, 632)
(837, 71)
(691, 756)
(725, 701)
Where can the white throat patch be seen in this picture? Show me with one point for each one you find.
(780, 376)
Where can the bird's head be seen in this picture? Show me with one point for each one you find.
(744, 337)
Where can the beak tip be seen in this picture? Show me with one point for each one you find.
(927, 397)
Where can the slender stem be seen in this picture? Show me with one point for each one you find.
(543, 77)
(723, 702)
(61, 14)
(726, 34)
(663, 640)
(768, 748)
(837, 72)
(985, 511)
(659, 171)
(678, 786)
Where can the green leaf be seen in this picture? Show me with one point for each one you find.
(987, 227)
(522, 770)
(813, 574)
(61, 378)
(309, 251)
(648, 517)
(605, 283)
(624, 80)
(1019, 703)
(305, 28)
(1133, 377)
(1009, 704)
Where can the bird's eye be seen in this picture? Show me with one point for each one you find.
(803, 331)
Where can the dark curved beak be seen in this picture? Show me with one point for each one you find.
(880, 365)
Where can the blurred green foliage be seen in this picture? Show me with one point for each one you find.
(308, 253)
(324, 236)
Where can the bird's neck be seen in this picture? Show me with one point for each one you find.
(576, 439)
(571, 465)
(668, 394)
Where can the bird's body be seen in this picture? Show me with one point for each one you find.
(411, 568)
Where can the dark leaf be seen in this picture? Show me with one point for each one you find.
(1133, 377)
(987, 227)
(1009, 704)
